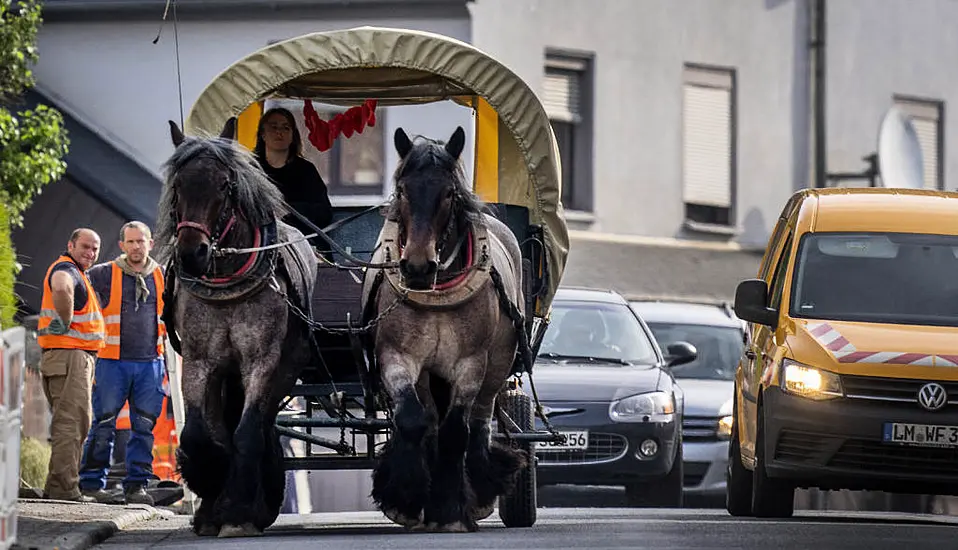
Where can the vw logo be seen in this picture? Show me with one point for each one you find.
(932, 396)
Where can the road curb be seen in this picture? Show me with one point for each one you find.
(90, 534)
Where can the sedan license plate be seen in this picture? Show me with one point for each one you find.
(575, 441)
(921, 435)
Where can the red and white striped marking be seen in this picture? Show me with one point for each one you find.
(845, 352)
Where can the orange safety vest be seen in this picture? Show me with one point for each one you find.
(112, 311)
(86, 330)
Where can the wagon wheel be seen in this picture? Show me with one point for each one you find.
(517, 508)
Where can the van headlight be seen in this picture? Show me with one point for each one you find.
(635, 408)
(805, 381)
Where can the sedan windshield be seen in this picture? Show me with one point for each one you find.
(719, 349)
(596, 332)
(877, 277)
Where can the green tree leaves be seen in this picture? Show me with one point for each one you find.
(32, 142)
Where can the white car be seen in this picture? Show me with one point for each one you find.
(718, 336)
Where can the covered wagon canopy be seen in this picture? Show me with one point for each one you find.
(517, 160)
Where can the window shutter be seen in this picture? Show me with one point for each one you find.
(925, 118)
(707, 147)
(927, 131)
(560, 95)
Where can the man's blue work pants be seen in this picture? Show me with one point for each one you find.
(140, 382)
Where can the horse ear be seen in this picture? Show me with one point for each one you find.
(229, 129)
(402, 142)
(176, 134)
(456, 142)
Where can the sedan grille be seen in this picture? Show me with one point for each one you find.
(693, 473)
(700, 428)
(602, 448)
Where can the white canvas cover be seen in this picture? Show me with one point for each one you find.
(400, 66)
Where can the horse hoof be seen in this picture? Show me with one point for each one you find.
(400, 519)
(245, 530)
(207, 530)
(482, 513)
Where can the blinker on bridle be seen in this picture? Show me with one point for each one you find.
(225, 221)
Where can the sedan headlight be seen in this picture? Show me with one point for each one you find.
(636, 407)
(810, 382)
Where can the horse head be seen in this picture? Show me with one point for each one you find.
(431, 203)
(212, 186)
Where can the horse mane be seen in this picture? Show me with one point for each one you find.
(257, 198)
(429, 156)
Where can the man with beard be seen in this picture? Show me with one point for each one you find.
(70, 332)
(129, 368)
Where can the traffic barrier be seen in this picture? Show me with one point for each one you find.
(12, 364)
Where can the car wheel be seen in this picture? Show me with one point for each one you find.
(771, 498)
(738, 480)
(665, 492)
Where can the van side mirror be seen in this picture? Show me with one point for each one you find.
(680, 353)
(751, 295)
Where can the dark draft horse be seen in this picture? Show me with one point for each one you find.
(242, 346)
(442, 368)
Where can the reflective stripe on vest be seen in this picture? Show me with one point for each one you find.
(112, 313)
(86, 330)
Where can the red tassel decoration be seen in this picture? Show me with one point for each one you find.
(323, 134)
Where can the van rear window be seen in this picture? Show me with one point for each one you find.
(877, 277)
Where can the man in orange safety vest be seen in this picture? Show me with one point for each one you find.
(130, 367)
(70, 331)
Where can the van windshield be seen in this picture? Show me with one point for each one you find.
(877, 277)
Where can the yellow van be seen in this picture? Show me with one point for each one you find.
(849, 379)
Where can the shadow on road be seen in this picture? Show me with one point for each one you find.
(571, 496)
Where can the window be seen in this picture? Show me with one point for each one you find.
(719, 348)
(778, 279)
(708, 145)
(606, 333)
(926, 117)
(354, 165)
(897, 278)
(567, 98)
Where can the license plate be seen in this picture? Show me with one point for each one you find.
(575, 441)
(921, 435)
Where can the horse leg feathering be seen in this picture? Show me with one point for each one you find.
(401, 477)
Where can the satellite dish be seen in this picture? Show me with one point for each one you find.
(899, 153)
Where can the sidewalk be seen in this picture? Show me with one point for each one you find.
(55, 524)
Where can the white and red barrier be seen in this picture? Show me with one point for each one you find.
(12, 365)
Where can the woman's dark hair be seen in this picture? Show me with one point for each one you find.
(295, 147)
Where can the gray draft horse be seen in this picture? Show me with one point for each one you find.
(242, 346)
(442, 367)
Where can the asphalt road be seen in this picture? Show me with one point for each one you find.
(574, 528)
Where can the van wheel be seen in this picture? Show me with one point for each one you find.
(738, 480)
(771, 498)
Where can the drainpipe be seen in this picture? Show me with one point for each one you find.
(816, 44)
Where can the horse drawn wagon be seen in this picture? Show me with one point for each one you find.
(346, 416)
